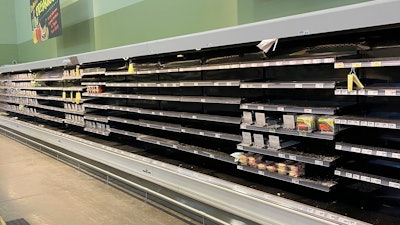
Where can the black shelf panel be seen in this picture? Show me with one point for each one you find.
(366, 177)
(316, 135)
(291, 155)
(368, 150)
(368, 122)
(325, 186)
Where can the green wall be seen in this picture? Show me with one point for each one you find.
(258, 10)
(8, 34)
(90, 25)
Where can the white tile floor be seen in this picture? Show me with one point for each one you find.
(46, 192)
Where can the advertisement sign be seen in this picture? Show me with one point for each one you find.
(46, 19)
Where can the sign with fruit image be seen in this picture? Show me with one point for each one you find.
(46, 19)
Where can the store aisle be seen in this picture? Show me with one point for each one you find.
(46, 192)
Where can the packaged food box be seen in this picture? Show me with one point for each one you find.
(260, 119)
(326, 124)
(306, 123)
(289, 121)
(247, 117)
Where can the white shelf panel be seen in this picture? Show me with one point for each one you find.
(289, 85)
(368, 150)
(381, 91)
(370, 178)
(368, 122)
(377, 62)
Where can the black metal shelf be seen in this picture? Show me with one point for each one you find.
(370, 178)
(283, 153)
(368, 150)
(317, 134)
(368, 122)
(325, 186)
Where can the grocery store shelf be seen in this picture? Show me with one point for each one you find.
(290, 85)
(202, 99)
(206, 133)
(373, 91)
(373, 62)
(214, 83)
(158, 141)
(368, 122)
(324, 108)
(103, 119)
(317, 134)
(325, 186)
(161, 126)
(93, 83)
(97, 131)
(368, 150)
(370, 178)
(72, 122)
(123, 132)
(207, 153)
(52, 98)
(283, 153)
(212, 118)
(51, 88)
(126, 121)
(93, 71)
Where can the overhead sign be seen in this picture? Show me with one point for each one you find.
(46, 19)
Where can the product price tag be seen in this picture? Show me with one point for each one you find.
(392, 126)
(281, 155)
(328, 60)
(195, 152)
(244, 106)
(356, 176)
(308, 110)
(280, 109)
(240, 167)
(319, 162)
(292, 157)
(371, 124)
(344, 91)
(279, 63)
(376, 64)
(217, 135)
(260, 107)
(365, 178)
(381, 153)
(242, 126)
(364, 123)
(292, 62)
(201, 133)
(319, 85)
(304, 134)
(339, 65)
(373, 92)
(356, 65)
(212, 156)
(355, 149)
(338, 147)
(338, 92)
(264, 85)
(295, 181)
(349, 175)
(376, 181)
(307, 61)
(316, 61)
(298, 86)
(239, 147)
(394, 185)
(202, 100)
(396, 155)
(261, 172)
(366, 151)
(390, 92)
(271, 130)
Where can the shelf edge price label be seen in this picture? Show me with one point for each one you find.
(308, 110)
(298, 85)
(356, 65)
(261, 172)
(292, 157)
(381, 153)
(240, 167)
(396, 155)
(376, 64)
(339, 65)
(365, 178)
(244, 106)
(281, 155)
(366, 151)
(394, 185)
(295, 181)
(239, 147)
(348, 175)
(303, 134)
(356, 176)
(271, 130)
(319, 85)
(390, 92)
(319, 162)
(355, 149)
(338, 147)
(376, 181)
(212, 156)
(280, 109)
(195, 152)
(260, 107)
